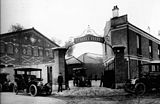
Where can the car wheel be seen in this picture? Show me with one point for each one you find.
(33, 90)
(127, 86)
(140, 88)
(0, 87)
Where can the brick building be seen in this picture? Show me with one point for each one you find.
(29, 48)
(139, 47)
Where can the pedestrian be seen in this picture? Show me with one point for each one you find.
(60, 81)
(102, 80)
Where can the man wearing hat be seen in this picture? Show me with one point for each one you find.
(60, 81)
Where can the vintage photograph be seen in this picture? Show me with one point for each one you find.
(79, 52)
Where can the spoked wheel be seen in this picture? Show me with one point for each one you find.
(128, 87)
(140, 88)
(33, 90)
(49, 93)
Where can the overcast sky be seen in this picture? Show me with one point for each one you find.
(63, 19)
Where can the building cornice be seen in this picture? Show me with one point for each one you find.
(143, 33)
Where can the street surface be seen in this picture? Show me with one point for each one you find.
(83, 95)
(11, 98)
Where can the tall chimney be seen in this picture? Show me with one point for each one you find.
(115, 11)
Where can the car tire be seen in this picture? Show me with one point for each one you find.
(127, 86)
(33, 90)
(140, 88)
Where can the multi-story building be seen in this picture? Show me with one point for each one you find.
(139, 47)
(29, 48)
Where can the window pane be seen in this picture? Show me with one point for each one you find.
(2, 50)
(50, 53)
(40, 52)
(29, 51)
(10, 49)
(35, 51)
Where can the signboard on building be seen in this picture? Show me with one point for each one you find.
(87, 38)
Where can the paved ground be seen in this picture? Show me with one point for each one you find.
(11, 98)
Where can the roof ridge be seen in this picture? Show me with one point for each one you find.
(17, 31)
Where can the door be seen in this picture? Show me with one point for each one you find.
(49, 74)
(109, 79)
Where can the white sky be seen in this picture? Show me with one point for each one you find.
(63, 19)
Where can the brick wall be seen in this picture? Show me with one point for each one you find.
(119, 37)
(133, 68)
(132, 43)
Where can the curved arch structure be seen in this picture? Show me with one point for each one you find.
(88, 38)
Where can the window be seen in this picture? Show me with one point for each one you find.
(50, 53)
(35, 51)
(47, 52)
(139, 52)
(41, 52)
(2, 46)
(10, 49)
(29, 51)
(150, 49)
(159, 51)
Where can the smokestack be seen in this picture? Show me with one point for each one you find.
(115, 11)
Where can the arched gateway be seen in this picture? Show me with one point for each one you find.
(89, 35)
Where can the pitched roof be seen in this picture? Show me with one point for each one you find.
(25, 30)
(73, 60)
(91, 58)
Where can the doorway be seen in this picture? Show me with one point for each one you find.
(49, 74)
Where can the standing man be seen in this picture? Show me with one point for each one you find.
(102, 80)
(60, 81)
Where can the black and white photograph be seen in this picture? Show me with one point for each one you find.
(79, 51)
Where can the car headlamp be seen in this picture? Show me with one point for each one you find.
(48, 85)
(133, 81)
(40, 84)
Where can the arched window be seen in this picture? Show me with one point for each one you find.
(29, 51)
(47, 52)
(2, 46)
(50, 53)
(35, 51)
(9, 48)
(41, 52)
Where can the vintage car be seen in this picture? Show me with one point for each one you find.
(5, 84)
(147, 80)
(27, 80)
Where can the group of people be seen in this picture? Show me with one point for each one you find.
(101, 79)
(82, 81)
(77, 81)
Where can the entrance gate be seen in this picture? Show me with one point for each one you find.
(109, 75)
(112, 78)
(109, 78)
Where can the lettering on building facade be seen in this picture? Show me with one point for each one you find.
(87, 38)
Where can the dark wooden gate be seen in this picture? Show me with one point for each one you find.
(109, 78)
